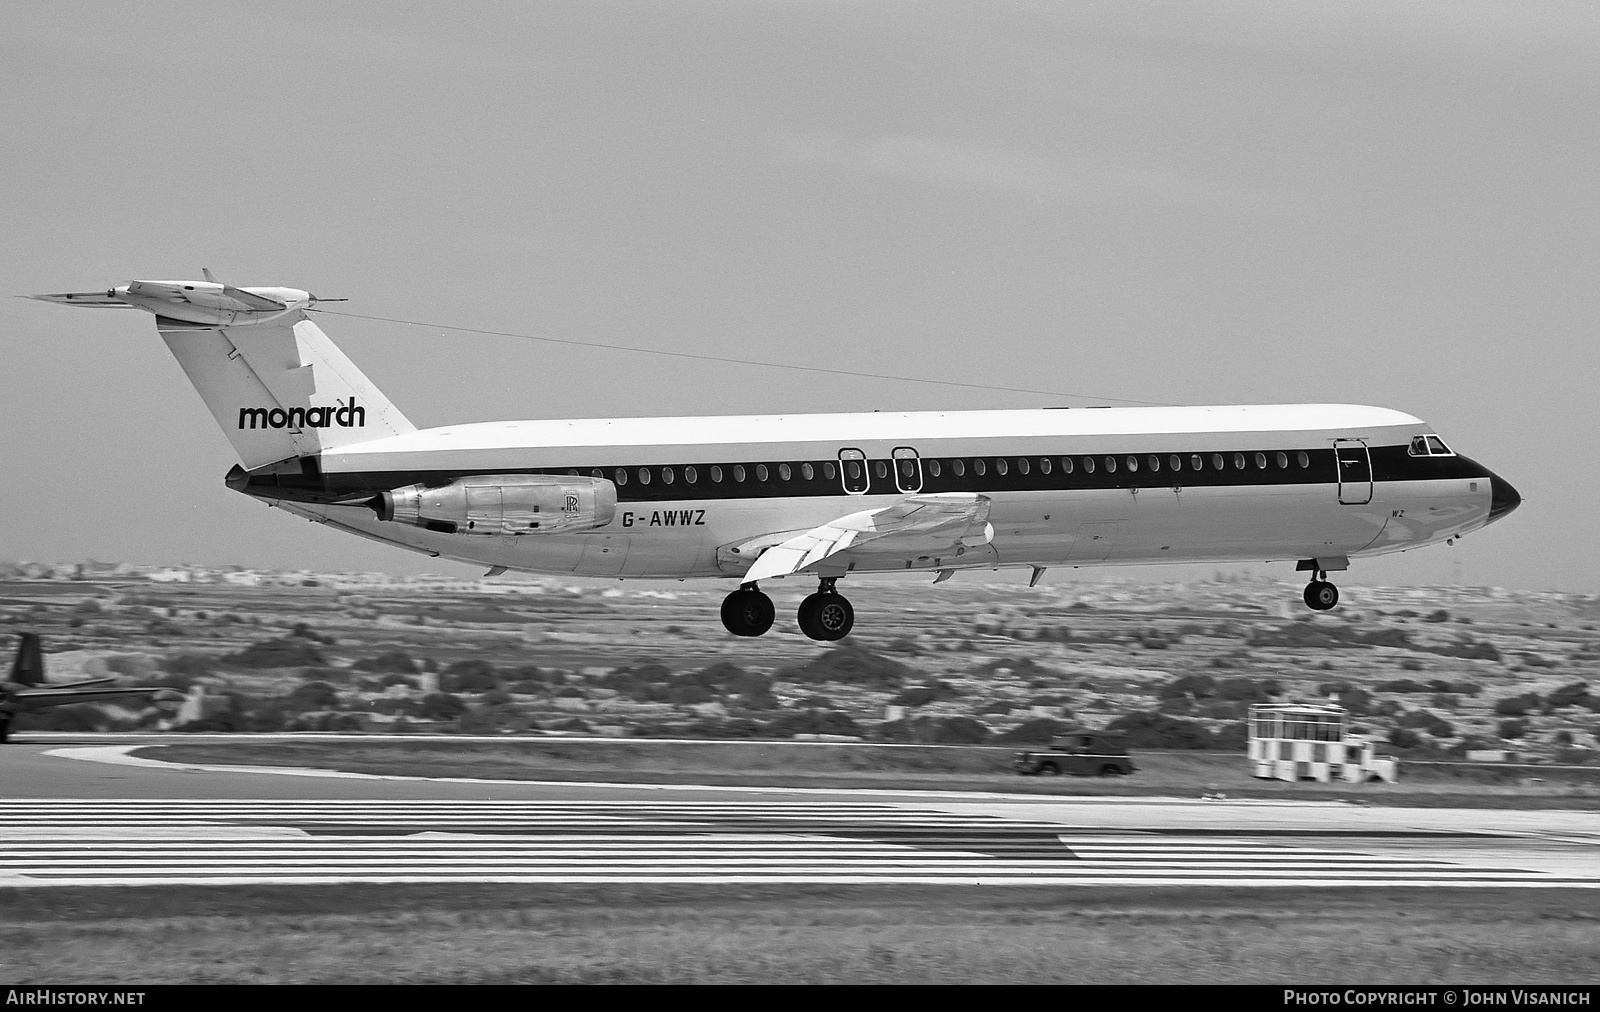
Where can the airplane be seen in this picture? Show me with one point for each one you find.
(27, 690)
(756, 498)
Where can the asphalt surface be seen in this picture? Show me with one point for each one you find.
(79, 810)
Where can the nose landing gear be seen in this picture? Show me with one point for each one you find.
(826, 615)
(1320, 594)
(747, 611)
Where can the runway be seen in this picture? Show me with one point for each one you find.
(80, 813)
(67, 842)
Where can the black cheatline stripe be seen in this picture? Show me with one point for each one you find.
(1111, 471)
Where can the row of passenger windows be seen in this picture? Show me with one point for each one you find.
(1131, 463)
(935, 467)
(737, 472)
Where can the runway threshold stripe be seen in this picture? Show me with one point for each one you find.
(65, 842)
(786, 861)
(820, 879)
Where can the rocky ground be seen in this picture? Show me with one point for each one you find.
(1437, 671)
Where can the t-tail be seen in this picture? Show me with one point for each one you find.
(273, 381)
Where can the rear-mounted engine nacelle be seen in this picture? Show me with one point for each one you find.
(503, 504)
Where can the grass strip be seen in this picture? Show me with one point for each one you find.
(869, 767)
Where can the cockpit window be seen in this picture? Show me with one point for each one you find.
(1429, 446)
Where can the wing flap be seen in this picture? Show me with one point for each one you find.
(919, 520)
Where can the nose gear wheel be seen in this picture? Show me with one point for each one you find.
(1321, 595)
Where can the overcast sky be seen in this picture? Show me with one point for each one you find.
(1391, 204)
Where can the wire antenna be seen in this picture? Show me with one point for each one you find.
(727, 360)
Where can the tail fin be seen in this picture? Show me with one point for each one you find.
(28, 668)
(280, 388)
(273, 381)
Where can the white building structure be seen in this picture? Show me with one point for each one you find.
(1309, 741)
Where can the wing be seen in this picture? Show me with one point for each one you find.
(921, 522)
(34, 699)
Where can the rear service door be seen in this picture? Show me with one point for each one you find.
(1355, 471)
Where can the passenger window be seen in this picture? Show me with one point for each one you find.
(880, 468)
(738, 472)
(1111, 465)
(1133, 464)
(934, 469)
(784, 472)
(690, 475)
(1238, 462)
(978, 467)
(959, 466)
(597, 473)
(1281, 459)
(761, 472)
(1197, 462)
(1000, 465)
(644, 476)
(716, 473)
(1022, 465)
(1175, 462)
(827, 470)
(1217, 463)
(1304, 459)
(1044, 465)
(1155, 462)
(621, 477)
(807, 472)
(1261, 462)
(852, 470)
(1088, 465)
(1066, 465)
(666, 476)
(908, 469)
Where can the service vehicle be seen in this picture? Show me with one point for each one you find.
(1081, 754)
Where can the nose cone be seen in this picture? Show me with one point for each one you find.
(1502, 498)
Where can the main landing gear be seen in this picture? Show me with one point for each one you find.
(825, 615)
(747, 611)
(1320, 594)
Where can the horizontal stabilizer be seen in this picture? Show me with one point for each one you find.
(97, 300)
(915, 523)
(253, 301)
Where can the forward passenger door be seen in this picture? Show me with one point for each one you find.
(1355, 471)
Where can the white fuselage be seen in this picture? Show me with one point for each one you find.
(1281, 492)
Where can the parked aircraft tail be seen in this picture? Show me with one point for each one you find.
(27, 689)
(275, 383)
(28, 667)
